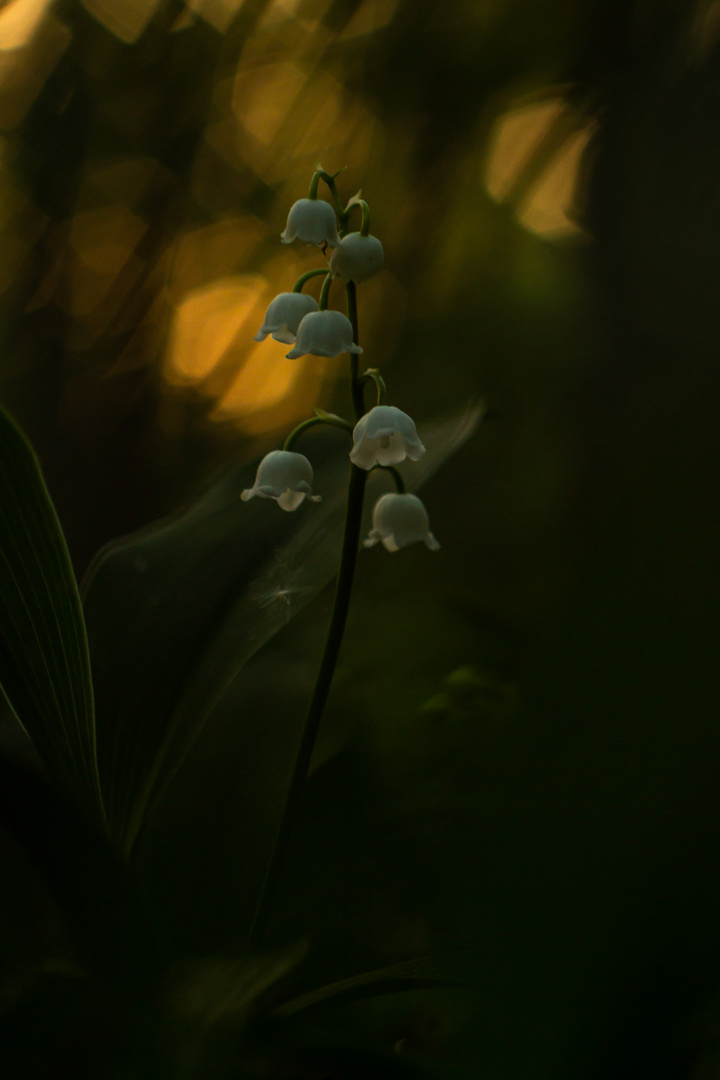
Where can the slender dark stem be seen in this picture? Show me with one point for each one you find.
(336, 629)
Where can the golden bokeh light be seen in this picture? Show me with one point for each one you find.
(32, 40)
(534, 156)
(204, 255)
(18, 22)
(218, 13)
(271, 392)
(263, 97)
(370, 16)
(126, 19)
(549, 207)
(208, 321)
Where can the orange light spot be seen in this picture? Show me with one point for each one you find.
(126, 19)
(544, 199)
(19, 21)
(207, 322)
(371, 15)
(549, 206)
(104, 239)
(264, 96)
(516, 136)
(219, 13)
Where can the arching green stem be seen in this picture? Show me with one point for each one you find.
(298, 286)
(324, 292)
(365, 225)
(374, 374)
(336, 629)
(399, 482)
(326, 418)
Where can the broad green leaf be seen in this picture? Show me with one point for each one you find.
(44, 663)
(176, 611)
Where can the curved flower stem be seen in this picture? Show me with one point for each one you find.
(399, 482)
(374, 374)
(357, 201)
(336, 629)
(298, 286)
(326, 418)
(324, 292)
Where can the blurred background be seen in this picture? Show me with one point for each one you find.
(527, 773)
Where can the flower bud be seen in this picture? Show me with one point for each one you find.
(357, 257)
(399, 520)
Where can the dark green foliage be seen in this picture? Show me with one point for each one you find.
(44, 664)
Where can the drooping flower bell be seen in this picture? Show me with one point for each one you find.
(357, 257)
(399, 520)
(284, 476)
(284, 315)
(312, 221)
(385, 436)
(324, 333)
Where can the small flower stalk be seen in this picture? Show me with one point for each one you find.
(383, 437)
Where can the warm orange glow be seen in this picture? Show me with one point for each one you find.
(371, 15)
(264, 96)
(105, 239)
(278, 12)
(208, 321)
(270, 392)
(18, 21)
(516, 136)
(265, 378)
(549, 205)
(219, 13)
(126, 19)
(214, 251)
(544, 202)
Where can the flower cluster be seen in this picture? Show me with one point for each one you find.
(382, 437)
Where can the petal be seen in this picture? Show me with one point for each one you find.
(364, 455)
(290, 500)
(414, 452)
(283, 335)
(390, 544)
(394, 452)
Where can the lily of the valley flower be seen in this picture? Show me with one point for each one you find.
(324, 333)
(284, 315)
(357, 257)
(284, 476)
(312, 221)
(399, 520)
(385, 436)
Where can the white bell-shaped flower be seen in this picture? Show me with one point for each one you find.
(324, 333)
(399, 520)
(312, 221)
(385, 436)
(284, 315)
(284, 476)
(357, 257)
